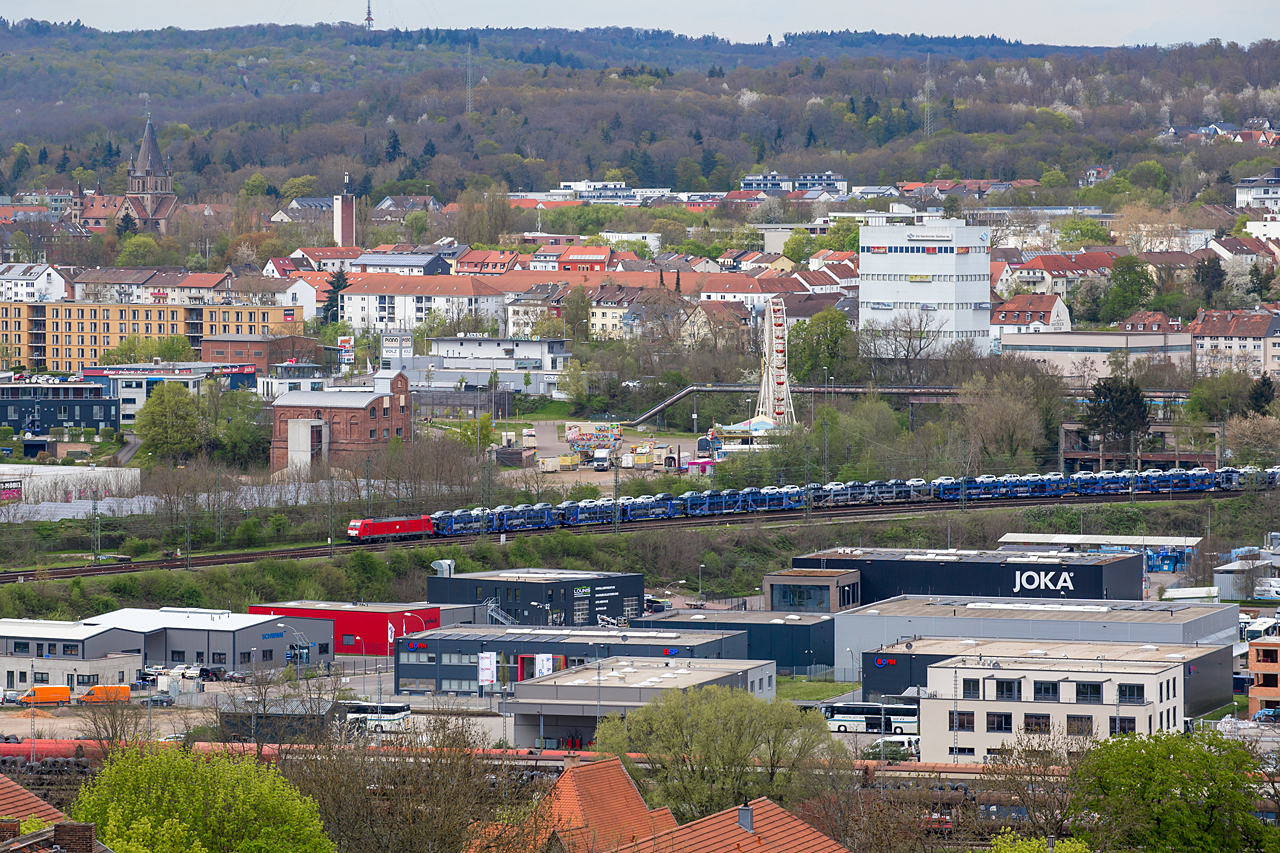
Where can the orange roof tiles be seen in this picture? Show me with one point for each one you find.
(1246, 324)
(773, 830)
(19, 803)
(1029, 302)
(423, 285)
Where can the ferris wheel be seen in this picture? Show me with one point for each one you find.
(775, 384)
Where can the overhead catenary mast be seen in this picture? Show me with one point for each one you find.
(775, 384)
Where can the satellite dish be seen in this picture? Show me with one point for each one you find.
(623, 638)
(908, 647)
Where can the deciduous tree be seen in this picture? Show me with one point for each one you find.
(169, 423)
(1116, 411)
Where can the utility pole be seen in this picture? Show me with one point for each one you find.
(617, 492)
(188, 534)
(330, 513)
(808, 495)
(368, 487)
(825, 475)
(217, 502)
(97, 528)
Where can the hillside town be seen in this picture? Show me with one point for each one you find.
(872, 446)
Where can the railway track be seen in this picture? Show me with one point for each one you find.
(770, 519)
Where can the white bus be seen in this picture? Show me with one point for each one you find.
(379, 719)
(1259, 628)
(870, 717)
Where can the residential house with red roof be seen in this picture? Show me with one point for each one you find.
(744, 198)
(1060, 274)
(1151, 321)
(759, 826)
(280, 268)
(829, 256)
(1244, 341)
(486, 262)
(1169, 269)
(547, 258)
(737, 287)
(585, 259)
(723, 324)
(386, 301)
(327, 258)
(1030, 312)
(1239, 252)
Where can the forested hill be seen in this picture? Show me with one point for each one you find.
(589, 48)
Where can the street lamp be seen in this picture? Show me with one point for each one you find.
(701, 566)
(300, 637)
(853, 667)
(364, 669)
(419, 618)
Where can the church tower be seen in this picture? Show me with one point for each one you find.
(148, 176)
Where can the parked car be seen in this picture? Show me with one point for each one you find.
(159, 700)
(11, 697)
(213, 673)
(239, 676)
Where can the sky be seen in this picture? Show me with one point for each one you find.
(1081, 22)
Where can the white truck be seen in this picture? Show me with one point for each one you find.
(600, 459)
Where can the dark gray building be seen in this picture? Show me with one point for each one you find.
(789, 639)
(546, 596)
(887, 572)
(447, 660)
(39, 406)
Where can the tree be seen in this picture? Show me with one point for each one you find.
(138, 250)
(1262, 393)
(951, 208)
(817, 343)
(114, 725)
(1053, 178)
(1131, 289)
(169, 423)
(576, 312)
(1253, 438)
(417, 224)
(1082, 231)
(1210, 275)
(1170, 792)
(160, 800)
(703, 750)
(1116, 411)
(126, 225)
(303, 186)
(1217, 398)
(394, 151)
(1000, 415)
(134, 349)
(256, 185)
(799, 246)
(332, 304)
(1034, 773)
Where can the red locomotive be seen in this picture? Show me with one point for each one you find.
(389, 529)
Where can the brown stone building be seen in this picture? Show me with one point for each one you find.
(344, 427)
(259, 350)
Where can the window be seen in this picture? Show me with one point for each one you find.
(960, 721)
(268, 654)
(246, 657)
(630, 606)
(1089, 693)
(22, 648)
(1036, 723)
(960, 750)
(178, 657)
(86, 680)
(970, 689)
(1046, 691)
(324, 648)
(70, 649)
(1123, 725)
(581, 610)
(1000, 722)
(1008, 690)
(373, 433)
(39, 678)
(1131, 694)
(219, 657)
(348, 639)
(1080, 724)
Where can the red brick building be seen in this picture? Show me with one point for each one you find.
(344, 427)
(261, 352)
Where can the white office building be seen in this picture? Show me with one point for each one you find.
(935, 276)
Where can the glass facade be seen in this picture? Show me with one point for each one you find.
(801, 597)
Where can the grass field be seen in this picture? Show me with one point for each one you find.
(804, 690)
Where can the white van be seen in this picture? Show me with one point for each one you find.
(907, 743)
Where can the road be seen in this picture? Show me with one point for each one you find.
(130, 449)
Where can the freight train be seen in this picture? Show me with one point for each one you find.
(510, 519)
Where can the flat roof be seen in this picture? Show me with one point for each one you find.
(751, 616)
(648, 672)
(811, 573)
(958, 555)
(609, 637)
(1045, 650)
(1059, 666)
(54, 629)
(198, 618)
(1056, 609)
(543, 575)
(1074, 539)
(361, 606)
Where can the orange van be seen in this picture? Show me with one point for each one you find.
(104, 693)
(46, 694)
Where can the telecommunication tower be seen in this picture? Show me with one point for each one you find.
(368, 15)
(929, 91)
(775, 384)
(468, 79)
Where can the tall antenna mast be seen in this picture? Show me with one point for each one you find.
(468, 79)
(929, 91)
(368, 15)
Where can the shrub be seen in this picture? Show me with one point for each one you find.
(67, 460)
(43, 456)
(6, 433)
(279, 524)
(249, 533)
(89, 433)
(57, 433)
(75, 434)
(108, 433)
(135, 547)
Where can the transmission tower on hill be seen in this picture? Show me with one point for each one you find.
(368, 15)
(929, 91)
(775, 384)
(468, 79)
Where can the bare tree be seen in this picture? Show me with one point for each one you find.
(113, 725)
(1035, 773)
